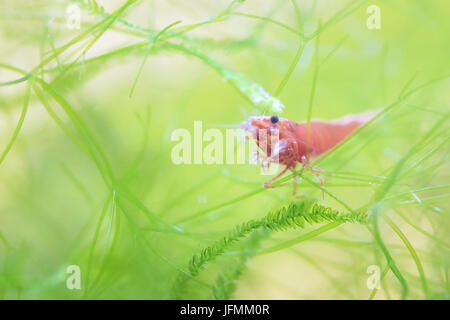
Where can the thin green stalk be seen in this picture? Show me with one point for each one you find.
(312, 93)
(90, 44)
(151, 43)
(413, 253)
(3, 239)
(282, 25)
(385, 110)
(220, 206)
(93, 245)
(291, 69)
(19, 124)
(390, 261)
(422, 231)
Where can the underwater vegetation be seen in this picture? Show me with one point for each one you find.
(93, 205)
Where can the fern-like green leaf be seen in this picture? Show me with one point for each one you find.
(293, 216)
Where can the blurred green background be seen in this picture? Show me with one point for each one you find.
(89, 179)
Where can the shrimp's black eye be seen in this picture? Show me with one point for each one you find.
(274, 119)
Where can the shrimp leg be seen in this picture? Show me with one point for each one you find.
(304, 165)
(294, 192)
(319, 176)
(278, 176)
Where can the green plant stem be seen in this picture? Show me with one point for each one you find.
(413, 253)
(19, 124)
